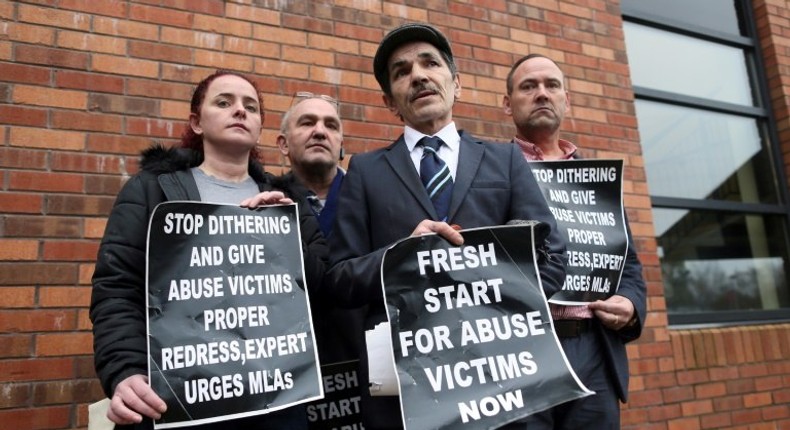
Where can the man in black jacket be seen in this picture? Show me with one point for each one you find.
(593, 336)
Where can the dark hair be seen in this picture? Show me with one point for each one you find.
(509, 81)
(193, 141)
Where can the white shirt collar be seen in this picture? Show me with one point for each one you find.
(448, 134)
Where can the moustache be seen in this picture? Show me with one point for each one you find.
(421, 89)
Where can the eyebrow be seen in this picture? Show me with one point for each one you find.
(427, 55)
(231, 95)
(325, 118)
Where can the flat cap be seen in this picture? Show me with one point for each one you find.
(411, 32)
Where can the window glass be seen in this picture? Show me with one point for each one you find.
(713, 261)
(671, 62)
(717, 15)
(698, 154)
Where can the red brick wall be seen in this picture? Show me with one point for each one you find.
(85, 85)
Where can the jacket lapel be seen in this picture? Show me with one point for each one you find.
(398, 158)
(469, 157)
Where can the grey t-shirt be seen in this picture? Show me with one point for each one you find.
(213, 190)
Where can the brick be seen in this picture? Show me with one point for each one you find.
(20, 115)
(7, 10)
(45, 138)
(25, 321)
(692, 423)
(43, 226)
(13, 72)
(94, 227)
(18, 297)
(61, 344)
(52, 57)
(124, 66)
(158, 89)
(123, 105)
(160, 52)
(42, 96)
(309, 56)
(114, 144)
(170, 109)
(746, 416)
(168, 17)
(756, 400)
(210, 7)
(716, 421)
(279, 35)
(18, 249)
(309, 24)
(256, 15)
(255, 48)
(220, 25)
(154, 127)
(15, 346)
(57, 392)
(103, 185)
(194, 39)
(34, 34)
(116, 8)
(15, 395)
(221, 60)
(92, 82)
(69, 250)
(80, 162)
(79, 205)
(20, 202)
(91, 42)
(125, 28)
(38, 418)
(53, 17)
(64, 297)
(695, 408)
(70, 120)
(86, 271)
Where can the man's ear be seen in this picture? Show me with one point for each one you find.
(282, 143)
(457, 82)
(194, 124)
(389, 103)
(506, 105)
(567, 101)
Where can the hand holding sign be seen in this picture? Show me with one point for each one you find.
(472, 334)
(230, 333)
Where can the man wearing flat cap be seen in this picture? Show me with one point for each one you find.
(383, 199)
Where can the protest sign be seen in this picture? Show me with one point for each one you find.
(230, 333)
(472, 337)
(586, 199)
(340, 407)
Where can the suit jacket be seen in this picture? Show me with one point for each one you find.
(382, 200)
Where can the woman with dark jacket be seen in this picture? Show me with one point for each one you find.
(217, 163)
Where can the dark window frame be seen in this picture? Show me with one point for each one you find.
(766, 122)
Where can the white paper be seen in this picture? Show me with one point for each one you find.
(97, 416)
(381, 362)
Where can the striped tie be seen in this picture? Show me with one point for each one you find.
(435, 175)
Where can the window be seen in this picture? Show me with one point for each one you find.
(713, 169)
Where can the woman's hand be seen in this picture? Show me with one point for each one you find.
(133, 397)
(266, 198)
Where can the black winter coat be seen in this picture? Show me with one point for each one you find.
(118, 300)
